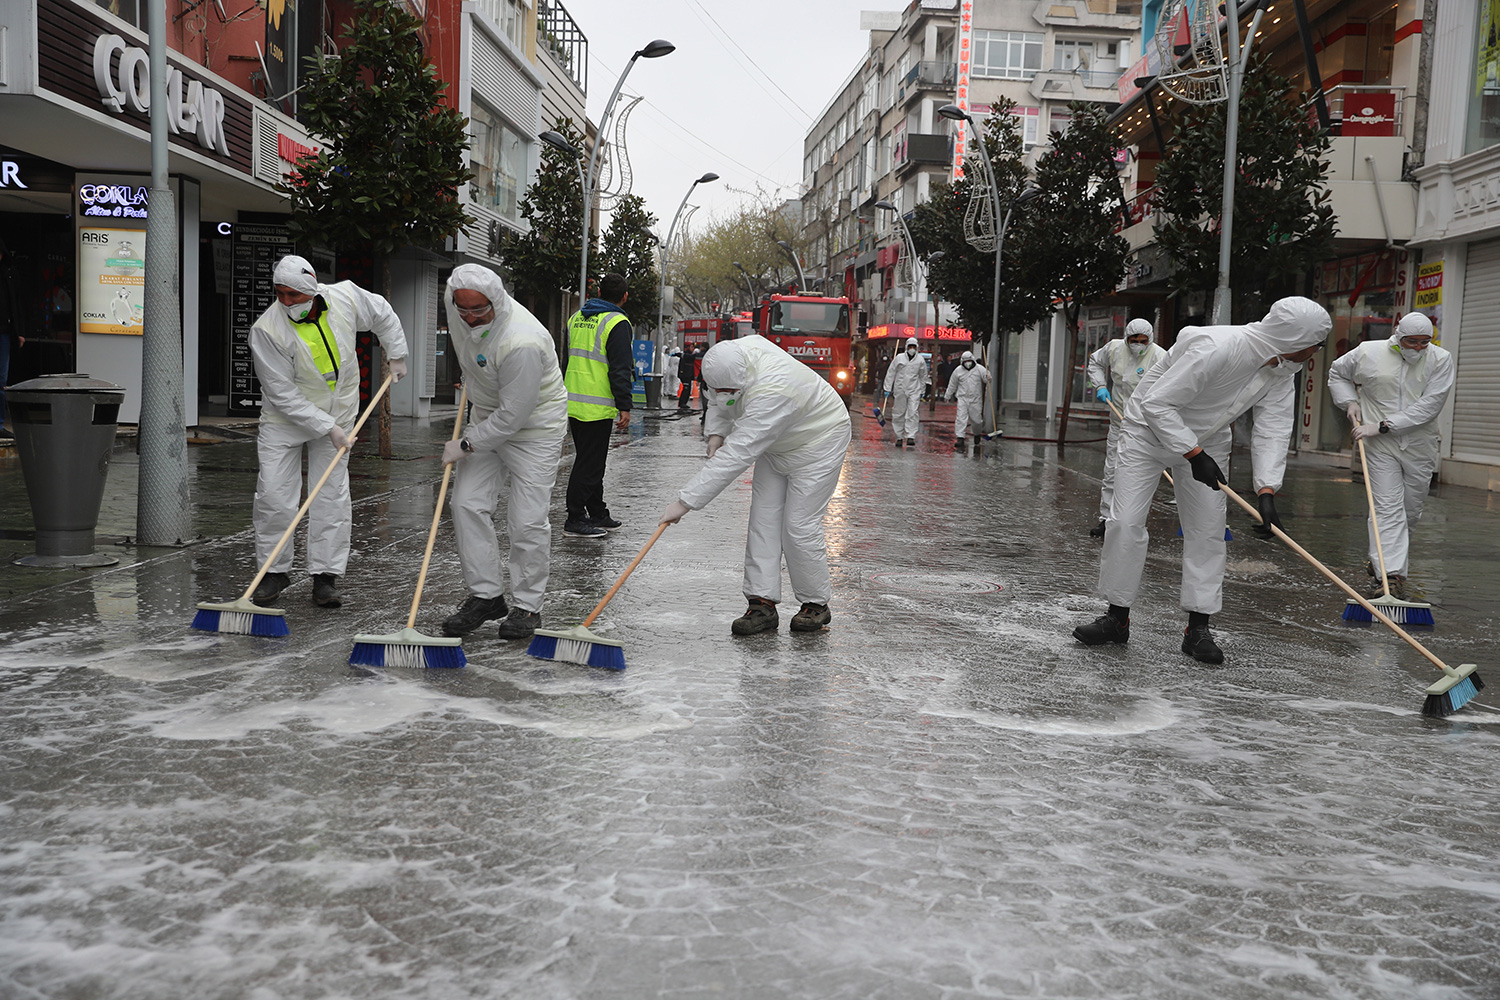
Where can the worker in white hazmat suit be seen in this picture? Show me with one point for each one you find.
(1393, 391)
(304, 353)
(904, 380)
(1179, 419)
(514, 435)
(767, 409)
(1114, 370)
(966, 384)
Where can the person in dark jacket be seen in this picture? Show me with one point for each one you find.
(687, 374)
(12, 324)
(598, 370)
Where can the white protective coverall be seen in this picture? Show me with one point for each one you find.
(793, 427)
(1188, 399)
(299, 406)
(1408, 396)
(1118, 367)
(967, 386)
(516, 429)
(903, 383)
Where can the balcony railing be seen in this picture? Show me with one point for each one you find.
(559, 34)
(932, 74)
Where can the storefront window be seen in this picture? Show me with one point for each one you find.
(498, 158)
(1484, 99)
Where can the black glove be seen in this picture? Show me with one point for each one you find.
(1267, 504)
(1206, 470)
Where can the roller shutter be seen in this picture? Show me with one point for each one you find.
(1476, 418)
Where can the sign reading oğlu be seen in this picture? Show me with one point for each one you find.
(198, 112)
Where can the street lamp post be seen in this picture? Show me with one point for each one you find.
(653, 50)
(746, 275)
(1237, 61)
(661, 297)
(911, 244)
(801, 278)
(954, 112)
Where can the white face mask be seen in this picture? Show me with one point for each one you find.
(968, 364)
(298, 312)
(1409, 355)
(911, 352)
(1140, 349)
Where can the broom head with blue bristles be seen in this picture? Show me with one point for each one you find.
(577, 645)
(407, 648)
(1453, 692)
(241, 617)
(1400, 612)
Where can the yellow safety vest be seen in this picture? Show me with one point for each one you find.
(587, 377)
(323, 345)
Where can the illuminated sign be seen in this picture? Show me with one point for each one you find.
(961, 95)
(199, 111)
(120, 201)
(291, 150)
(901, 331)
(10, 174)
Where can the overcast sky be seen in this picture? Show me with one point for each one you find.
(737, 97)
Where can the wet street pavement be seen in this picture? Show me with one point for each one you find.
(942, 796)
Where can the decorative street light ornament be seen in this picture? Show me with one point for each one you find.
(616, 182)
(979, 216)
(1191, 28)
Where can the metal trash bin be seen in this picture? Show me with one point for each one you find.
(653, 391)
(65, 431)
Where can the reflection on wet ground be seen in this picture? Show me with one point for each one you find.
(941, 796)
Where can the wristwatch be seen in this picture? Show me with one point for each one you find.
(465, 446)
(1385, 428)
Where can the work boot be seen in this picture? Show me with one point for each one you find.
(1200, 645)
(958, 444)
(898, 442)
(474, 612)
(270, 587)
(911, 442)
(1105, 628)
(325, 594)
(606, 522)
(1398, 587)
(519, 624)
(811, 618)
(978, 439)
(760, 616)
(1097, 531)
(582, 527)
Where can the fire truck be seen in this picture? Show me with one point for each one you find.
(814, 329)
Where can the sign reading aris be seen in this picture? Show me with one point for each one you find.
(199, 111)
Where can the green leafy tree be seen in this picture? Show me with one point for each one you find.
(1065, 236)
(1283, 222)
(543, 260)
(965, 276)
(628, 248)
(388, 173)
(704, 269)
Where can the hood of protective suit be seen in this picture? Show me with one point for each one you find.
(1137, 328)
(727, 365)
(1413, 325)
(297, 274)
(480, 279)
(912, 342)
(966, 356)
(1293, 324)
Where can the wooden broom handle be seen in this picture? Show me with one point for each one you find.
(628, 570)
(1111, 404)
(437, 514)
(1379, 616)
(302, 511)
(1385, 581)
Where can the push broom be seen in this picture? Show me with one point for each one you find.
(1228, 537)
(1458, 686)
(410, 648)
(1405, 612)
(578, 644)
(243, 616)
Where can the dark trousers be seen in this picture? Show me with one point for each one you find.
(586, 481)
(685, 395)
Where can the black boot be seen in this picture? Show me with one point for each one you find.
(760, 616)
(1111, 627)
(811, 618)
(520, 624)
(270, 587)
(474, 612)
(325, 594)
(1198, 643)
(1097, 531)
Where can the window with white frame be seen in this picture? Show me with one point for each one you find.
(870, 164)
(1031, 123)
(509, 16)
(1009, 55)
(497, 155)
(872, 95)
(1069, 54)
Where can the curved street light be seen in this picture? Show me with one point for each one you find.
(911, 244)
(661, 295)
(653, 50)
(748, 284)
(801, 278)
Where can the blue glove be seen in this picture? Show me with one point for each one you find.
(1101, 394)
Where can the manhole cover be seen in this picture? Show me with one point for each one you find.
(937, 583)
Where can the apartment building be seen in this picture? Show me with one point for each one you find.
(881, 139)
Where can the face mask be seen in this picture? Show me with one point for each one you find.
(968, 364)
(300, 311)
(911, 352)
(1140, 348)
(1409, 355)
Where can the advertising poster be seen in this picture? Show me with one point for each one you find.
(111, 280)
(644, 354)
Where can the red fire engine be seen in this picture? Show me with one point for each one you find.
(814, 329)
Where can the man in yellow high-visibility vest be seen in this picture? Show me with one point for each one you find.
(598, 371)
